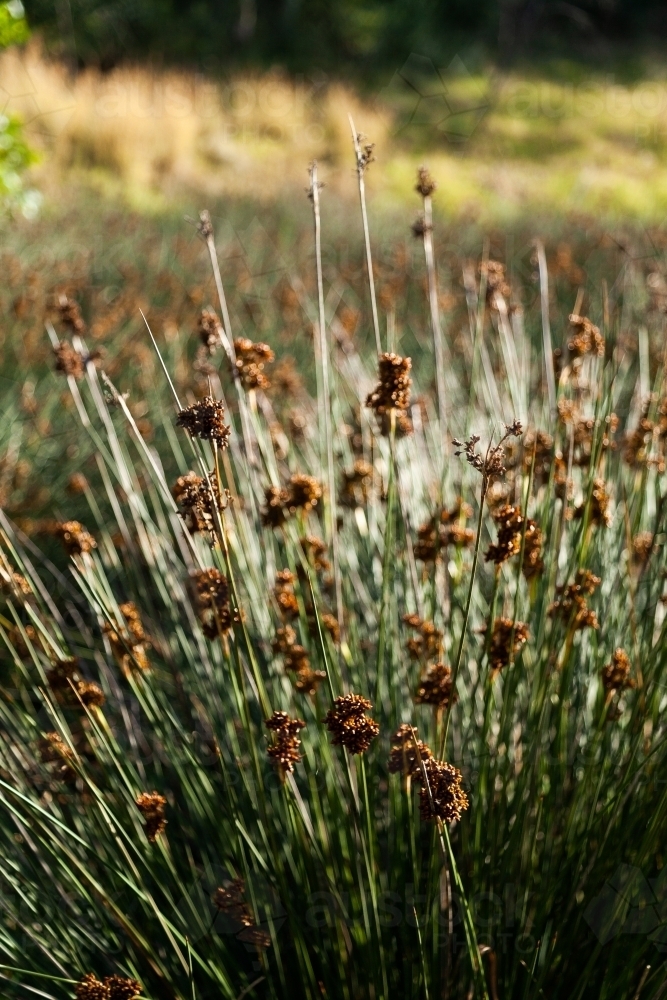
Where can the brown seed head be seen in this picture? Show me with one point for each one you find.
(393, 388)
(68, 360)
(122, 989)
(571, 606)
(209, 329)
(616, 674)
(642, 546)
(205, 419)
(304, 493)
(441, 795)
(90, 988)
(357, 483)
(274, 512)
(425, 184)
(250, 361)
(586, 338)
(69, 314)
(435, 687)
(315, 551)
(349, 725)
(405, 757)
(284, 752)
(210, 592)
(507, 638)
(74, 537)
(308, 681)
(151, 805)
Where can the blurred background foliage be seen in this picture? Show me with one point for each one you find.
(338, 37)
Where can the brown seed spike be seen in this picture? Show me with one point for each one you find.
(68, 360)
(393, 388)
(90, 988)
(435, 687)
(405, 758)
(74, 537)
(151, 805)
(122, 989)
(205, 419)
(442, 795)
(425, 184)
(349, 725)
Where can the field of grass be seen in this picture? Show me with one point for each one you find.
(196, 535)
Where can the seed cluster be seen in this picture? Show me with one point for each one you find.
(283, 591)
(441, 795)
(435, 687)
(571, 606)
(511, 525)
(444, 529)
(586, 338)
(69, 361)
(209, 329)
(74, 537)
(250, 361)
(151, 805)
(53, 750)
(496, 282)
(210, 593)
(110, 988)
(284, 752)
(69, 314)
(198, 500)
(427, 643)
(405, 756)
(349, 725)
(356, 485)
(425, 184)
(599, 512)
(507, 638)
(616, 673)
(70, 688)
(393, 388)
(205, 419)
(128, 639)
(302, 493)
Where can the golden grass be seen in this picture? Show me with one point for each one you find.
(590, 147)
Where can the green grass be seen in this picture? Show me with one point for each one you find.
(359, 896)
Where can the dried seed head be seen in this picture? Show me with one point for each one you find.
(69, 361)
(616, 674)
(507, 638)
(314, 550)
(441, 795)
(209, 329)
(77, 483)
(210, 593)
(405, 758)
(198, 500)
(205, 226)
(393, 388)
(425, 184)
(509, 521)
(304, 493)
(538, 454)
(296, 659)
(435, 687)
(90, 988)
(642, 546)
(308, 681)
(205, 419)
(284, 752)
(571, 606)
(122, 989)
(74, 537)
(356, 486)
(69, 314)
(349, 725)
(330, 624)
(364, 152)
(599, 512)
(276, 499)
(420, 227)
(284, 639)
(151, 805)
(250, 361)
(586, 338)
(53, 750)
(496, 283)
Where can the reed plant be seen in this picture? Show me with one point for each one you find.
(361, 704)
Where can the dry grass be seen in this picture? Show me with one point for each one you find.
(568, 146)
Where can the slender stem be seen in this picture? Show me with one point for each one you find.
(361, 167)
(434, 309)
(325, 410)
(466, 614)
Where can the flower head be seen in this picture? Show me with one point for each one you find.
(250, 361)
(616, 674)
(349, 725)
(74, 537)
(586, 338)
(435, 687)
(393, 388)
(205, 419)
(407, 752)
(284, 752)
(507, 638)
(441, 795)
(151, 805)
